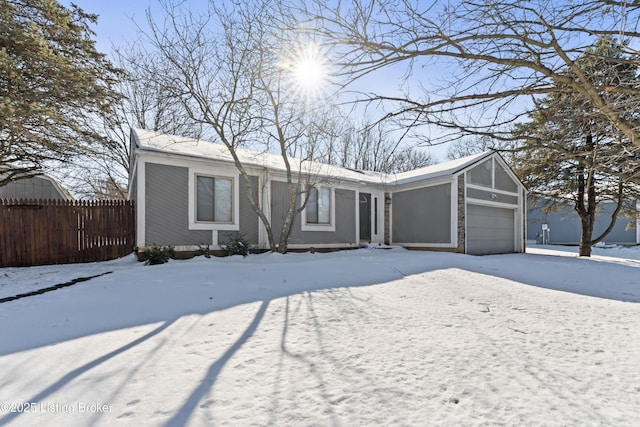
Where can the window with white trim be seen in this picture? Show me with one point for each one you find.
(214, 199)
(318, 210)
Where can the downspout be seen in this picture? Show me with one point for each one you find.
(637, 222)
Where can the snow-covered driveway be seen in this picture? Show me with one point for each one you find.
(366, 337)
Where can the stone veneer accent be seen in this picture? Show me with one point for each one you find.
(387, 219)
(461, 210)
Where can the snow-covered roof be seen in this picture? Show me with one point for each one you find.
(172, 144)
(165, 143)
(441, 169)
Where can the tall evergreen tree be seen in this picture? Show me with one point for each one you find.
(53, 84)
(571, 151)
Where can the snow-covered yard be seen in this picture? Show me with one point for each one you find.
(365, 337)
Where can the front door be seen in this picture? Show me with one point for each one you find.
(365, 217)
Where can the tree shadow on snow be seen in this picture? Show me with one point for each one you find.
(75, 373)
(106, 306)
(206, 384)
(612, 279)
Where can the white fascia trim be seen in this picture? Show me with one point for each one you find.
(390, 218)
(426, 245)
(329, 181)
(140, 203)
(472, 201)
(189, 162)
(493, 172)
(493, 190)
(357, 213)
(638, 222)
(196, 162)
(450, 180)
(332, 214)
(516, 234)
(523, 227)
(219, 172)
(323, 245)
(454, 211)
(466, 211)
(422, 184)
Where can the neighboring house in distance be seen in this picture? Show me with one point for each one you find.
(36, 187)
(564, 226)
(188, 194)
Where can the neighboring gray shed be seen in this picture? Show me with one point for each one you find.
(564, 225)
(36, 187)
(189, 193)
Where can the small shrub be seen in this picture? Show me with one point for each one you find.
(236, 244)
(255, 249)
(157, 255)
(203, 250)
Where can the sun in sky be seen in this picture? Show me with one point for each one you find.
(309, 70)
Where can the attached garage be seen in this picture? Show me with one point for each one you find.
(473, 205)
(494, 217)
(490, 230)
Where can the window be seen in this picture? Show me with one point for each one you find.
(319, 206)
(214, 199)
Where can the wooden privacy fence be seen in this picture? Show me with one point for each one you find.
(37, 232)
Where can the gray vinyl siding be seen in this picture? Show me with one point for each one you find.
(503, 181)
(566, 227)
(623, 232)
(31, 188)
(481, 174)
(167, 208)
(422, 215)
(248, 217)
(491, 196)
(345, 218)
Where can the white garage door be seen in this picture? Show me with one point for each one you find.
(490, 230)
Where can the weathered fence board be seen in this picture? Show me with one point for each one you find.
(37, 232)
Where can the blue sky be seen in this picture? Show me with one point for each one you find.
(119, 23)
(115, 19)
(118, 20)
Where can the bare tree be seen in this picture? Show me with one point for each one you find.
(104, 172)
(481, 63)
(231, 71)
(371, 147)
(468, 146)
